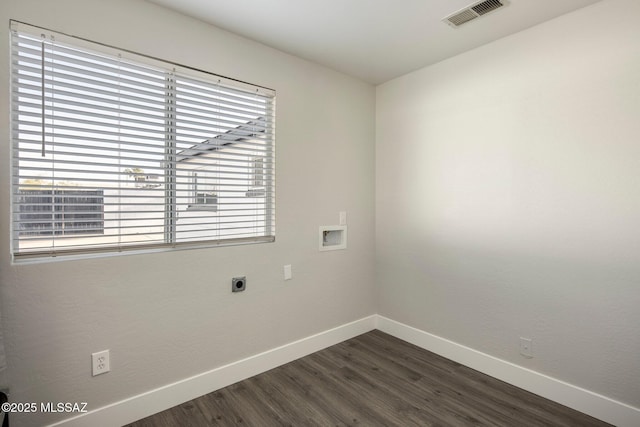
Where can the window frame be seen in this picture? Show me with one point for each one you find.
(170, 166)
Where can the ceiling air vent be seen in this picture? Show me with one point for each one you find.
(474, 11)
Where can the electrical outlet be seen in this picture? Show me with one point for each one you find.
(238, 284)
(526, 347)
(100, 362)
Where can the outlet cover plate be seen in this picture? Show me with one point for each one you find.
(238, 284)
(100, 362)
(526, 347)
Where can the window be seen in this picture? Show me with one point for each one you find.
(256, 179)
(114, 151)
(205, 196)
(257, 172)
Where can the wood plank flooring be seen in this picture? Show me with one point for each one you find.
(371, 380)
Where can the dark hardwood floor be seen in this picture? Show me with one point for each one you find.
(371, 380)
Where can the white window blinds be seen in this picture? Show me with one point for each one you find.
(114, 151)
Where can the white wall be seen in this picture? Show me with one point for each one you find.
(171, 315)
(508, 198)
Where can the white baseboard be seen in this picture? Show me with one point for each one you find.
(588, 402)
(151, 402)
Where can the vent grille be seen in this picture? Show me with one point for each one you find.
(462, 17)
(486, 6)
(474, 11)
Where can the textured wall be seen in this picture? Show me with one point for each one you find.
(508, 198)
(171, 315)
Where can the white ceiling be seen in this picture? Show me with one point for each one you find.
(375, 40)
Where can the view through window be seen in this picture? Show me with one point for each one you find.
(114, 151)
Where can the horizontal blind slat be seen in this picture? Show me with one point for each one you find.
(225, 88)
